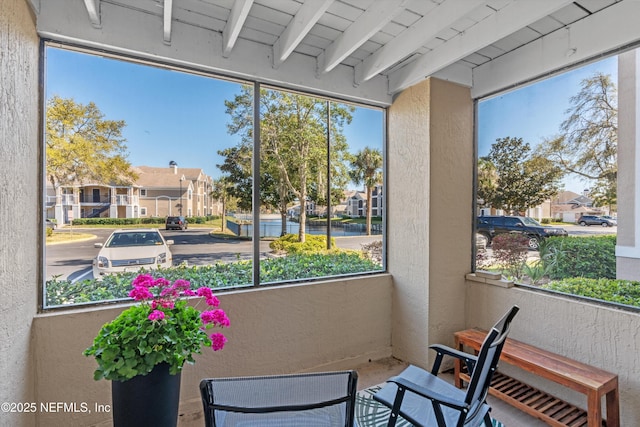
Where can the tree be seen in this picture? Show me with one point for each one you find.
(221, 189)
(588, 143)
(293, 130)
(523, 180)
(366, 168)
(238, 180)
(81, 145)
(487, 180)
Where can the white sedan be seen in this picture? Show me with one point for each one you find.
(130, 250)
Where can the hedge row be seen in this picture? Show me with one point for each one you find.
(220, 275)
(134, 221)
(618, 291)
(590, 257)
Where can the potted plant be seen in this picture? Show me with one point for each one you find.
(143, 350)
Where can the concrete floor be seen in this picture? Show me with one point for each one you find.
(379, 371)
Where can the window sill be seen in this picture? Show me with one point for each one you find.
(489, 278)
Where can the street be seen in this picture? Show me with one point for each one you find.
(196, 247)
(193, 246)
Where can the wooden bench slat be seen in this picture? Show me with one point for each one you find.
(560, 369)
(593, 382)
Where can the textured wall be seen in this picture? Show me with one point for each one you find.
(430, 181)
(408, 237)
(18, 204)
(596, 335)
(450, 217)
(312, 327)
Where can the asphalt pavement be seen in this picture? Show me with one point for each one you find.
(194, 246)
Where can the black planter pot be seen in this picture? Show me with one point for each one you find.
(147, 400)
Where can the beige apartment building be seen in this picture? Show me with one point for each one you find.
(158, 192)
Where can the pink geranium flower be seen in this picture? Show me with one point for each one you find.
(204, 292)
(140, 293)
(218, 341)
(215, 317)
(145, 280)
(166, 322)
(213, 301)
(156, 315)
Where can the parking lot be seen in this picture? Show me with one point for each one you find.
(194, 246)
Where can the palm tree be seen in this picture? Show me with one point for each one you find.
(366, 168)
(220, 190)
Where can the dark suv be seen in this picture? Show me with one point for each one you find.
(596, 220)
(491, 226)
(176, 223)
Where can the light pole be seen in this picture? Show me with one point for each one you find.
(181, 179)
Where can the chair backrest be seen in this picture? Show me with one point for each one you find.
(312, 399)
(488, 358)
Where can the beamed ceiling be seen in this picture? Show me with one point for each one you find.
(367, 50)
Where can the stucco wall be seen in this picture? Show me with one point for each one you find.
(309, 327)
(597, 335)
(450, 219)
(408, 226)
(430, 183)
(18, 212)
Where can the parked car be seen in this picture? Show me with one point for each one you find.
(176, 223)
(50, 224)
(481, 242)
(132, 249)
(490, 226)
(596, 220)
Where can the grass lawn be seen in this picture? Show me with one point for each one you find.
(56, 238)
(346, 220)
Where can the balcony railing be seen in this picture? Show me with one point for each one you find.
(95, 199)
(65, 199)
(70, 199)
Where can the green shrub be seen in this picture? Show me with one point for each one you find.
(220, 275)
(591, 257)
(118, 221)
(289, 244)
(510, 250)
(200, 219)
(618, 291)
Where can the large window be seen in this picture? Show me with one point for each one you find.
(547, 191)
(151, 153)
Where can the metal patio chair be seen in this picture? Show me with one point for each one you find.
(312, 399)
(423, 399)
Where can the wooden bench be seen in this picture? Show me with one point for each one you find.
(592, 382)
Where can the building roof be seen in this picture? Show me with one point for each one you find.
(149, 176)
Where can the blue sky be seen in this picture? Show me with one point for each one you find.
(179, 116)
(535, 112)
(170, 115)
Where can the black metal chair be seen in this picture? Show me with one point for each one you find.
(313, 399)
(423, 399)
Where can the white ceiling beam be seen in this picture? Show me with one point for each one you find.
(416, 36)
(129, 32)
(361, 30)
(561, 49)
(166, 21)
(300, 25)
(93, 9)
(238, 15)
(507, 20)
